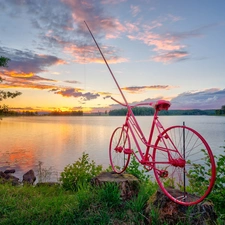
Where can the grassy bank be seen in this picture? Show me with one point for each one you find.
(54, 205)
(75, 201)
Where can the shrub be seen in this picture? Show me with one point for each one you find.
(134, 169)
(79, 173)
(217, 194)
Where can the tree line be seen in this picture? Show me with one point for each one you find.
(66, 113)
(220, 111)
(148, 111)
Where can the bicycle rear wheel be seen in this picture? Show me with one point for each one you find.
(119, 150)
(184, 165)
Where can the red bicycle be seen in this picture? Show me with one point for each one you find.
(177, 156)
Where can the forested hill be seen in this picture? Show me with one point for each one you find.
(146, 111)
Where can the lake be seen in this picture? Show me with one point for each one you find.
(59, 141)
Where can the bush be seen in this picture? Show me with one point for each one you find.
(134, 169)
(79, 173)
(217, 194)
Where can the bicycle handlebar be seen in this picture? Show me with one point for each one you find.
(140, 104)
(118, 102)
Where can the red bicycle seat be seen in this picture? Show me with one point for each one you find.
(161, 105)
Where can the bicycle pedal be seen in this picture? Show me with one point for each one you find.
(128, 151)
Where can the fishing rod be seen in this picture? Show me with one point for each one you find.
(108, 67)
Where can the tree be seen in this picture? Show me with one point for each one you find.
(6, 94)
(4, 61)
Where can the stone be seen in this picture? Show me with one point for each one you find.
(5, 177)
(171, 213)
(29, 177)
(9, 171)
(128, 184)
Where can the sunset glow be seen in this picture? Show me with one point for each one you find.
(156, 50)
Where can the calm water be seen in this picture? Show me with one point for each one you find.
(59, 141)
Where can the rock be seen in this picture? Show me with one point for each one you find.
(29, 177)
(5, 177)
(9, 171)
(128, 184)
(171, 213)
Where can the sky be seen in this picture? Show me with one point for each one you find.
(172, 50)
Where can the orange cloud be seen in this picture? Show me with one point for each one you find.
(14, 73)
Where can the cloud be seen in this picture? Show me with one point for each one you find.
(76, 93)
(171, 56)
(167, 46)
(206, 99)
(90, 54)
(135, 10)
(174, 18)
(140, 89)
(72, 81)
(160, 42)
(60, 24)
(112, 1)
(23, 68)
(27, 63)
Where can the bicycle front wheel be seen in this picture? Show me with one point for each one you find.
(119, 150)
(184, 165)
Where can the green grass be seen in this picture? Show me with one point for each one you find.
(77, 202)
(55, 205)
(88, 205)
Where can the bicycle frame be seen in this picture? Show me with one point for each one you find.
(131, 125)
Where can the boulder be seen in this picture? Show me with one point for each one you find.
(7, 177)
(29, 177)
(171, 213)
(128, 184)
(9, 171)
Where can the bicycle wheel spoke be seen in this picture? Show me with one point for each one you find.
(119, 142)
(189, 174)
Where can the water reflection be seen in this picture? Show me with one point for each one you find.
(59, 141)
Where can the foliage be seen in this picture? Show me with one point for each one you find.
(4, 61)
(6, 94)
(134, 169)
(147, 189)
(148, 111)
(66, 113)
(44, 174)
(79, 173)
(110, 194)
(198, 179)
(221, 111)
